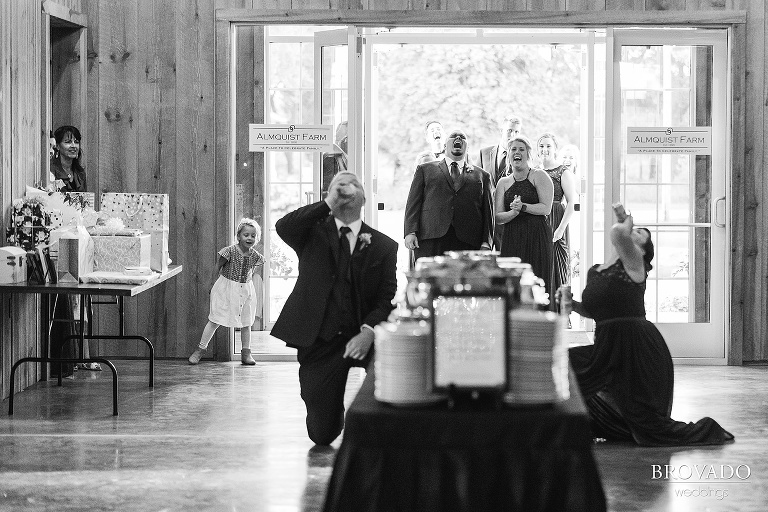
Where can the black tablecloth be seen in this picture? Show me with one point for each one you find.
(435, 459)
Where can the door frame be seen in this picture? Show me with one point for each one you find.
(734, 21)
(721, 171)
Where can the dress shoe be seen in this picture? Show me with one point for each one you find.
(246, 358)
(196, 355)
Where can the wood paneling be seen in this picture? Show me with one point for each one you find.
(20, 139)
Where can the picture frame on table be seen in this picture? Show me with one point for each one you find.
(470, 342)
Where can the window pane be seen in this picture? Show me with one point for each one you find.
(307, 65)
(285, 106)
(284, 166)
(284, 71)
(675, 203)
(279, 290)
(282, 199)
(642, 201)
(672, 254)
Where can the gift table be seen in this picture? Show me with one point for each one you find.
(86, 293)
(436, 459)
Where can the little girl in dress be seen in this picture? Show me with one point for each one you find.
(233, 297)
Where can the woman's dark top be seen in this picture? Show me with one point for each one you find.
(561, 259)
(528, 236)
(74, 184)
(627, 377)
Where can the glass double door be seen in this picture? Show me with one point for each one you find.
(621, 80)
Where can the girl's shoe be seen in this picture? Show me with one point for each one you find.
(246, 358)
(94, 367)
(196, 355)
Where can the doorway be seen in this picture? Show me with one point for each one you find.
(337, 76)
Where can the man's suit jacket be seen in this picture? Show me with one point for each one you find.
(311, 232)
(487, 161)
(433, 205)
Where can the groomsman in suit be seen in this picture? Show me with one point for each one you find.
(435, 137)
(493, 159)
(450, 204)
(345, 288)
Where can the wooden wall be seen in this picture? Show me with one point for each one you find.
(151, 127)
(20, 135)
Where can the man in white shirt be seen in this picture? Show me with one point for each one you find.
(435, 137)
(493, 159)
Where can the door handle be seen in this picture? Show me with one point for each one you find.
(717, 201)
(380, 207)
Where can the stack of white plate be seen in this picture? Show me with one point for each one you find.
(403, 375)
(538, 358)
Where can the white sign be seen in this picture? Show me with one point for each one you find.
(470, 349)
(695, 140)
(290, 137)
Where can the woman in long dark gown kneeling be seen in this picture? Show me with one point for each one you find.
(627, 377)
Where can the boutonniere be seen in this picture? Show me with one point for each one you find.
(364, 239)
(467, 168)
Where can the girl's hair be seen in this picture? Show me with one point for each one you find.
(245, 221)
(647, 247)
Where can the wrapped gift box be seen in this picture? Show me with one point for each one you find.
(114, 253)
(150, 212)
(74, 249)
(159, 257)
(13, 265)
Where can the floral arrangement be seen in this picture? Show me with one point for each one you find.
(30, 223)
(365, 240)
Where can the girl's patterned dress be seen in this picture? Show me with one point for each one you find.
(233, 296)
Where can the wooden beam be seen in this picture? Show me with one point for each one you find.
(490, 18)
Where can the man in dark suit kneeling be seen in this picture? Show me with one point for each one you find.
(345, 287)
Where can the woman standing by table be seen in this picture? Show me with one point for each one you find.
(627, 376)
(523, 199)
(67, 168)
(564, 189)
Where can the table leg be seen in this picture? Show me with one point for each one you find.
(45, 360)
(45, 300)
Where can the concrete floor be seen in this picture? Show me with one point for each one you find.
(225, 437)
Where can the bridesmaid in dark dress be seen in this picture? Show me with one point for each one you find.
(523, 199)
(627, 377)
(565, 188)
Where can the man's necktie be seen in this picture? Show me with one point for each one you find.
(503, 164)
(344, 250)
(455, 175)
